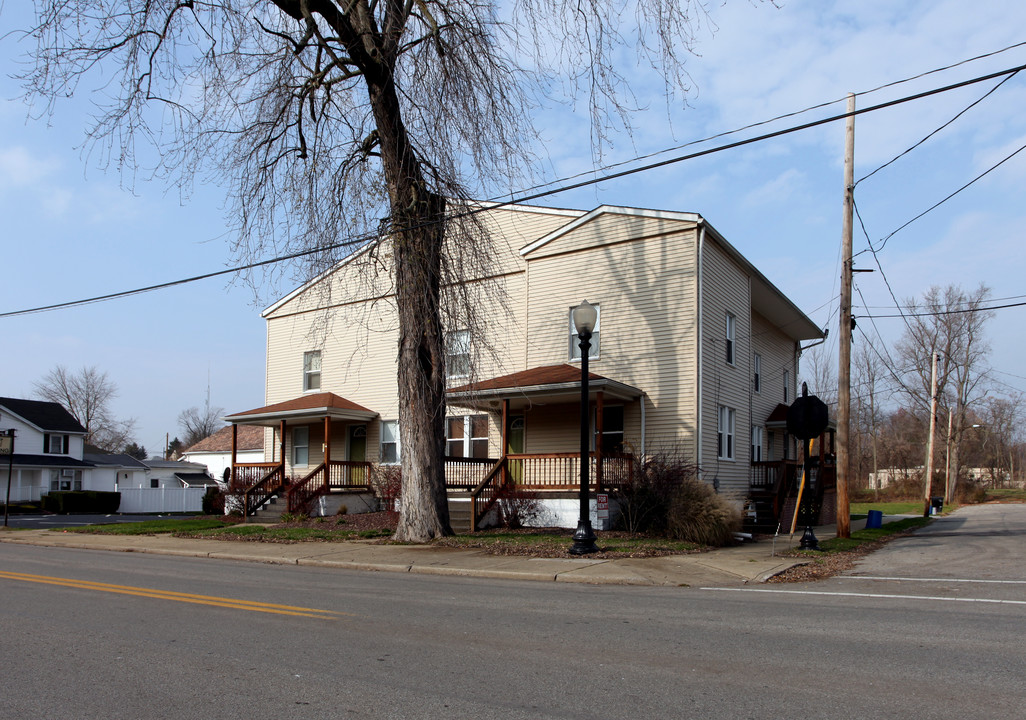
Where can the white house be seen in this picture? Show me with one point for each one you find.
(215, 451)
(47, 451)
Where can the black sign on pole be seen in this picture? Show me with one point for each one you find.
(808, 416)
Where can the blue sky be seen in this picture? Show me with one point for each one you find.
(73, 231)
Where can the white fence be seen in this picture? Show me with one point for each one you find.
(161, 500)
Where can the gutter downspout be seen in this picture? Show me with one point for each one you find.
(643, 426)
(700, 316)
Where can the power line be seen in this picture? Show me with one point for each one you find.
(936, 313)
(370, 237)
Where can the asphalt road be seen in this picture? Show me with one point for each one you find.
(49, 521)
(88, 635)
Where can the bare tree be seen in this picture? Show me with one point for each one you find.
(948, 321)
(338, 122)
(199, 423)
(819, 371)
(87, 395)
(868, 374)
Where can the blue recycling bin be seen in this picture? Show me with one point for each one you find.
(874, 519)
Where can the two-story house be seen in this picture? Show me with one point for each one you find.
(48, 449)
(694, 349)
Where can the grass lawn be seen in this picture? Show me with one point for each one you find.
(1007, 495)
(219, 528)
(861, 539)
(555, 543)
(888, 508)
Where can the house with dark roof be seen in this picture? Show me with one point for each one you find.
(693, 350)
(47, 451)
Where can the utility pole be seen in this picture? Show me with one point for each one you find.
(844, 349)
(933, 431)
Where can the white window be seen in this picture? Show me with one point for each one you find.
(312, 370)
(757, 373)
(756, 443)
(389, 453)
(300, 446)
(55, 444)
(725, 433)
(457, 354)
(467, 436)
(787, 387)
(575, 341)
(731, 322)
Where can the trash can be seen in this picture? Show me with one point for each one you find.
(936, 505)
(874, 519)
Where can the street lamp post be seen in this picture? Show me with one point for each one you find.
(585, 316)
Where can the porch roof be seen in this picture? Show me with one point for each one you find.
(303, 409)
(550, 383)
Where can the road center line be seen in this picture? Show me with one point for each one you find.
(870, 595)
(214, 601)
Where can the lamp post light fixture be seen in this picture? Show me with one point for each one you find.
(585, 316)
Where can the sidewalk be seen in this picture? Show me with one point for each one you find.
(725, 567)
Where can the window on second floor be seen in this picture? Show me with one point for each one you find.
(54, 444)
(757, 373)
(731, 329)
(575, 340)
(467, 436)
(787, 387)
(725, 433)
(457, 354)
(312, 370)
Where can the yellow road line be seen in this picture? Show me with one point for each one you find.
(176, 596)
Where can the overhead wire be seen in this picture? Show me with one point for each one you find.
(359, 240)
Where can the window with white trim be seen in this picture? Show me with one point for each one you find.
(575, 340)
(731, 329)
(757, 373)
(725, 433)
(312, 370)
(467, 436)
(457, 354)
(300, 446)
(56, 444)
(756, 443)
(389, 452)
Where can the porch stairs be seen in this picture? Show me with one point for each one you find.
(270, 511)
(459, 511)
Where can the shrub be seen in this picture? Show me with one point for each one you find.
(970, 492)
(213, 501)
(387, 482)
(645, 499)
(698, 514)
(517, 507)
(81, 501)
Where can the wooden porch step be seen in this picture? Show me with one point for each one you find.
(271, 510)
(459, 512)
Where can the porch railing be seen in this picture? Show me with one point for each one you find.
(463, 473)
(246, 475)
(339, 474)
(259, 493)
(485, 494)
(562, 471)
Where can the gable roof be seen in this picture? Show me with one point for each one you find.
(250, 437)
(114, 460)
(47, 416)
(548, 381)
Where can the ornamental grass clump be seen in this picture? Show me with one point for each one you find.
(698, 514)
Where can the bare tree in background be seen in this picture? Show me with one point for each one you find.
(867, 375)
(199, 423)
(334, 122)
(87, 395)
(948, 321)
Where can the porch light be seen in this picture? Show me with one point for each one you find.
(585, 316)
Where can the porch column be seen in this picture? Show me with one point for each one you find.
(505, 440)
(281, 448)
(327, 445)
(235, 447)
(599, 406)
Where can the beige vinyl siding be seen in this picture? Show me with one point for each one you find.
(645, 289)
(777, 351)
(725, 288)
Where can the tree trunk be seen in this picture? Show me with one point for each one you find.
(417, 223)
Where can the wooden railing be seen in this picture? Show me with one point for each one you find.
(339, 474)
(462, 473)
(246, 475)
(562, 471)
(260, 492)
(484, 495)
(767, 475)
